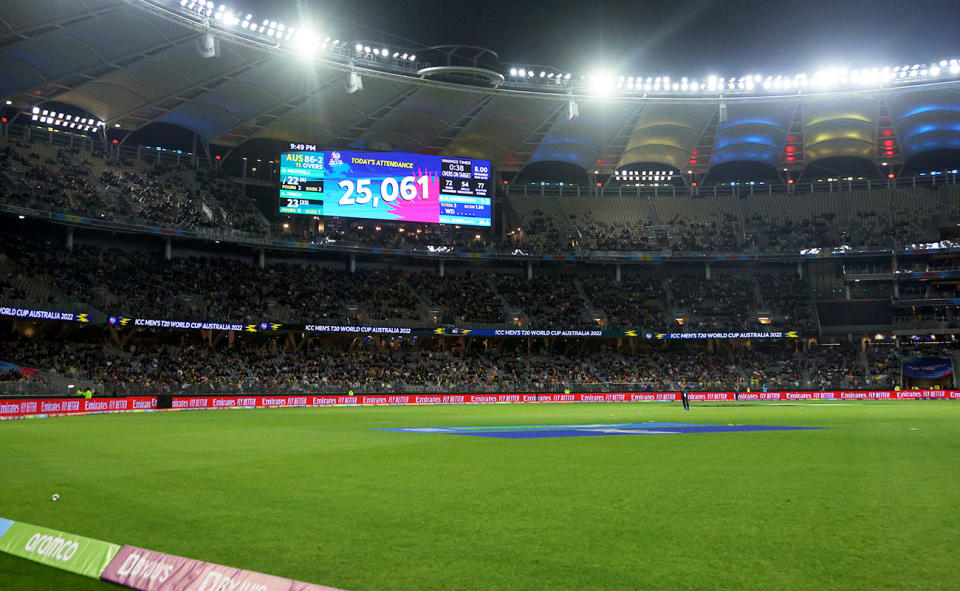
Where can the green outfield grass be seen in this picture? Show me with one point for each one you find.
(317, 495)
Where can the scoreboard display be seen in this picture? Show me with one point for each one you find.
(386, 186)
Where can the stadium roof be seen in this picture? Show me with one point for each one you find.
(133, 64)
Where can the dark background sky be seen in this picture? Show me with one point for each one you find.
(694, 37)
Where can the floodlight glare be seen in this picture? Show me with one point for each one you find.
(602, 84)
(306, 42)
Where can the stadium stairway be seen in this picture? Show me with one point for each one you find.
(864, 363)
(670, 301)
(590, 312)
(424, 307)
(508, 312)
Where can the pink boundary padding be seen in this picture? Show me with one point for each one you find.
(148, 570)
(25, 408)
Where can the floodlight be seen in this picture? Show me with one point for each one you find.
(601, 84)
(306, 42)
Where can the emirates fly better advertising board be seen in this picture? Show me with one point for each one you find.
(392, 186)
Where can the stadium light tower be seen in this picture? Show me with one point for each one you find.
(208, 46)
(353, 82)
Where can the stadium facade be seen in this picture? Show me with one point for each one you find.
(232, 79)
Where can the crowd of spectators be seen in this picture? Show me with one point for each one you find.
(723, 303)
(12, 375)
(143, 284)
(838, 364)
(57, 181)
(720, 234)
(885, 229)
(636, 301)
(884, 361)
(548, 301)
(241, 212)
(786, 300)
(789, 235)
(232, 288)
(604, 236)
(539, 233)
(77, 182)
(80, 182)
(467, 298)
(268, 365)
(158, 195)
(884, 366)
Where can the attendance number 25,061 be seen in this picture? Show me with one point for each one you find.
(359, 191)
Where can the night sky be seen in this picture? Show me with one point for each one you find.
(692, 37)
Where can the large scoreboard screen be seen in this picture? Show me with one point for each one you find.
(386, 186)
